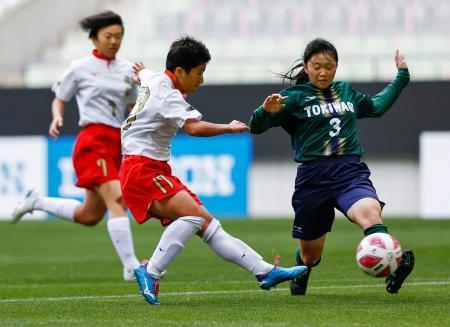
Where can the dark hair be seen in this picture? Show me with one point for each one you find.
(94, 23)
(314, 47)
(187, 53)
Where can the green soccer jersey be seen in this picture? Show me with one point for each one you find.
(322, 123)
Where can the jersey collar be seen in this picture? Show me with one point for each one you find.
(175, 82)
(100, 56)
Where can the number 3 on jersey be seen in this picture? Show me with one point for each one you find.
(144, 93)
(335, 124)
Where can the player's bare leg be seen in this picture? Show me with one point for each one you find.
(367, 214)
(309, 254)
(91, 211)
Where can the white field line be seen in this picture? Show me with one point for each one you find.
(208, 282)
(101, 297)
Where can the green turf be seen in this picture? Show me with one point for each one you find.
(56, 273)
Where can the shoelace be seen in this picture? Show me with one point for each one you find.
(276, 258)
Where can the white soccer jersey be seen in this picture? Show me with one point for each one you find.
(159, 112)
(103, 89)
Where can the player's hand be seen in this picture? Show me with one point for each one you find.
(237, 127)
(55, 125)
(400, 60)
(273, 103)
(137, 67)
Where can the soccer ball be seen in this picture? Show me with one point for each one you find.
(379, 254)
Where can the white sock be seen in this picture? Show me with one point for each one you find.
(234, 250)
(119, 230)
(172, 242)
(62, 208)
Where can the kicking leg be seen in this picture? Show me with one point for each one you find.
(189, 218)
(234, 250)
(225, 245)
(367, 214)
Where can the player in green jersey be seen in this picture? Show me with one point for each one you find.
(320, 115)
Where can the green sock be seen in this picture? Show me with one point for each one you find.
(377, 228)
(298, 258)
(299, 261)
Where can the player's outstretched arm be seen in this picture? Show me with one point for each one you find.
(58, 120)
(400, 60)
(269, 114)
(204, 128)
(273, 103)
(383, 100)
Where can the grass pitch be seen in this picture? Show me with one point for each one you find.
(56, 273)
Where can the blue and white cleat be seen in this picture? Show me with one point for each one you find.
(25, 206)
(278, 275)
(149, 286)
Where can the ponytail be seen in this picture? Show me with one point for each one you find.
(316, 46)
(294, 75)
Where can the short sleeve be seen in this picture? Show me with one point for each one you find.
(66, 86)
(177, 110)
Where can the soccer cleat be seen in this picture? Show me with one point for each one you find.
(25, 206)
(148, 285)
(395, 280)
(128, 272)
(299, 285)
(278, 275)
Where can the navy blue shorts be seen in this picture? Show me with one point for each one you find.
(325, 184)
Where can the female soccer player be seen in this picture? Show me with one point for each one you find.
(150, 189)
(320, 116)
(105, 92)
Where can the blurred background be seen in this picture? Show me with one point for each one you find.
(250, 41)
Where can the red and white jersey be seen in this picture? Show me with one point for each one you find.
(103, 89)
(159, 112)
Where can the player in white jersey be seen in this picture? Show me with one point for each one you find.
(104, 91)
(150, 189)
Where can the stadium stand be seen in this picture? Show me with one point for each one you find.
(250, 39)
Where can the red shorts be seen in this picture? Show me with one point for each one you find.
(97, 155)
(143, 180)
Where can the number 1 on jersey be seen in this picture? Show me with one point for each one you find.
(102, 164)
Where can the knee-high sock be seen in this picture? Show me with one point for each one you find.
(119, 230)
(299, 261)
(377, 228)
(234, 250)
(62, 208)
(172, 243)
